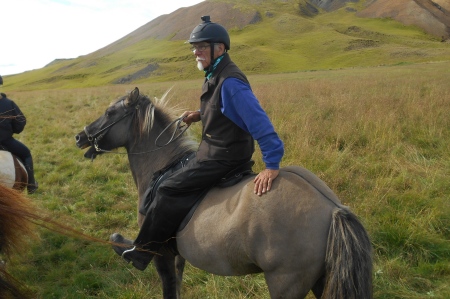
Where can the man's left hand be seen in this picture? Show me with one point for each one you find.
(263, 181)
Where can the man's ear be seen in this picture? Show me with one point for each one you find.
(221, 48)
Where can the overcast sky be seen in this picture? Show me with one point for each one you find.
(36, 32)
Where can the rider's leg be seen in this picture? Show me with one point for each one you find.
(174, 199)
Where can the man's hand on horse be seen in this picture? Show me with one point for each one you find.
(263, 181)
(191, 116)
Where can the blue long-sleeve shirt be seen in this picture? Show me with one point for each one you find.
(241, 106)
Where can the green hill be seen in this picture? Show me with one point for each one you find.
(267, 37)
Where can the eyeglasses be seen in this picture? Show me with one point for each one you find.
(199, 48)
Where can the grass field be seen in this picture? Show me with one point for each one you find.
(378, 136)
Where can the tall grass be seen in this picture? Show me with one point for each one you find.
(379, 137)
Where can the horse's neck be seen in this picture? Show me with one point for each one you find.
(143, 166)
(146, 157)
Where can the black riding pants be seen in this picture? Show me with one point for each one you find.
(176, 196)
(16, 148)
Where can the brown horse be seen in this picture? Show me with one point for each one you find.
(13, 173)
(299, 234)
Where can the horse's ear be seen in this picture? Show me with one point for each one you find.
(134, 96)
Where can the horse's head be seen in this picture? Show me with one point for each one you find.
(111, 130)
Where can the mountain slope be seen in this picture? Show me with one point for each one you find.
(267, 36)
(179, 24)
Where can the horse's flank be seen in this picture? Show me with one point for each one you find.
(268, 242)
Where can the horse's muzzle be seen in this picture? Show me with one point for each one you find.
(82, 140)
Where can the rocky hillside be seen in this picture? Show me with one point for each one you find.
(433, 16)
(330, 5)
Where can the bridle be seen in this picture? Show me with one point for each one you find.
(97, 136)
(94, 138)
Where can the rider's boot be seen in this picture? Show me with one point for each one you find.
(32, 184)
(139, 258)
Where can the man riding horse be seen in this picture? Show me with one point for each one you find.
(232, 119)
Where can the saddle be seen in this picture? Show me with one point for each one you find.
(231, 178)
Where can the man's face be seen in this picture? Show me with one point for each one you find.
(202, 52)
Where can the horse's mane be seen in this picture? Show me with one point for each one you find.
(159, 108)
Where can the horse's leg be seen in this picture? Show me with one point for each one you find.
(288, 286)
(318, 287)
(179, 268)
(170, 269)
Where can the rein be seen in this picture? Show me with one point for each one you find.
(179, 127)
(94, 138)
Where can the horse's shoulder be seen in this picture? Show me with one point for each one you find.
(311, 179)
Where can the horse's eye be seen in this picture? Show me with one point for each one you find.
(109, 112)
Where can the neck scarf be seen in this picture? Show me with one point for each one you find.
(209, 72)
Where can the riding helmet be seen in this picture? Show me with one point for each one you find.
(208, 31)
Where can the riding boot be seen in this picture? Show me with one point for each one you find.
(138, 257)
(32, 184)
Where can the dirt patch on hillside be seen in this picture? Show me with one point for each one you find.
(358, 44)
(359, 32)
(432, 16)
(330, 5)
(143, 73)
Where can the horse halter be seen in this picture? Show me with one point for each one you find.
(94, 138)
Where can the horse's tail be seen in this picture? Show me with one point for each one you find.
(17, 219)
(15, 226)
(16, 211)
(11, 288)
(348, 259)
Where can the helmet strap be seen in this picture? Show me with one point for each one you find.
(211, 64)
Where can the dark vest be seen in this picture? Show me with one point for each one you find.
(222, 139)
